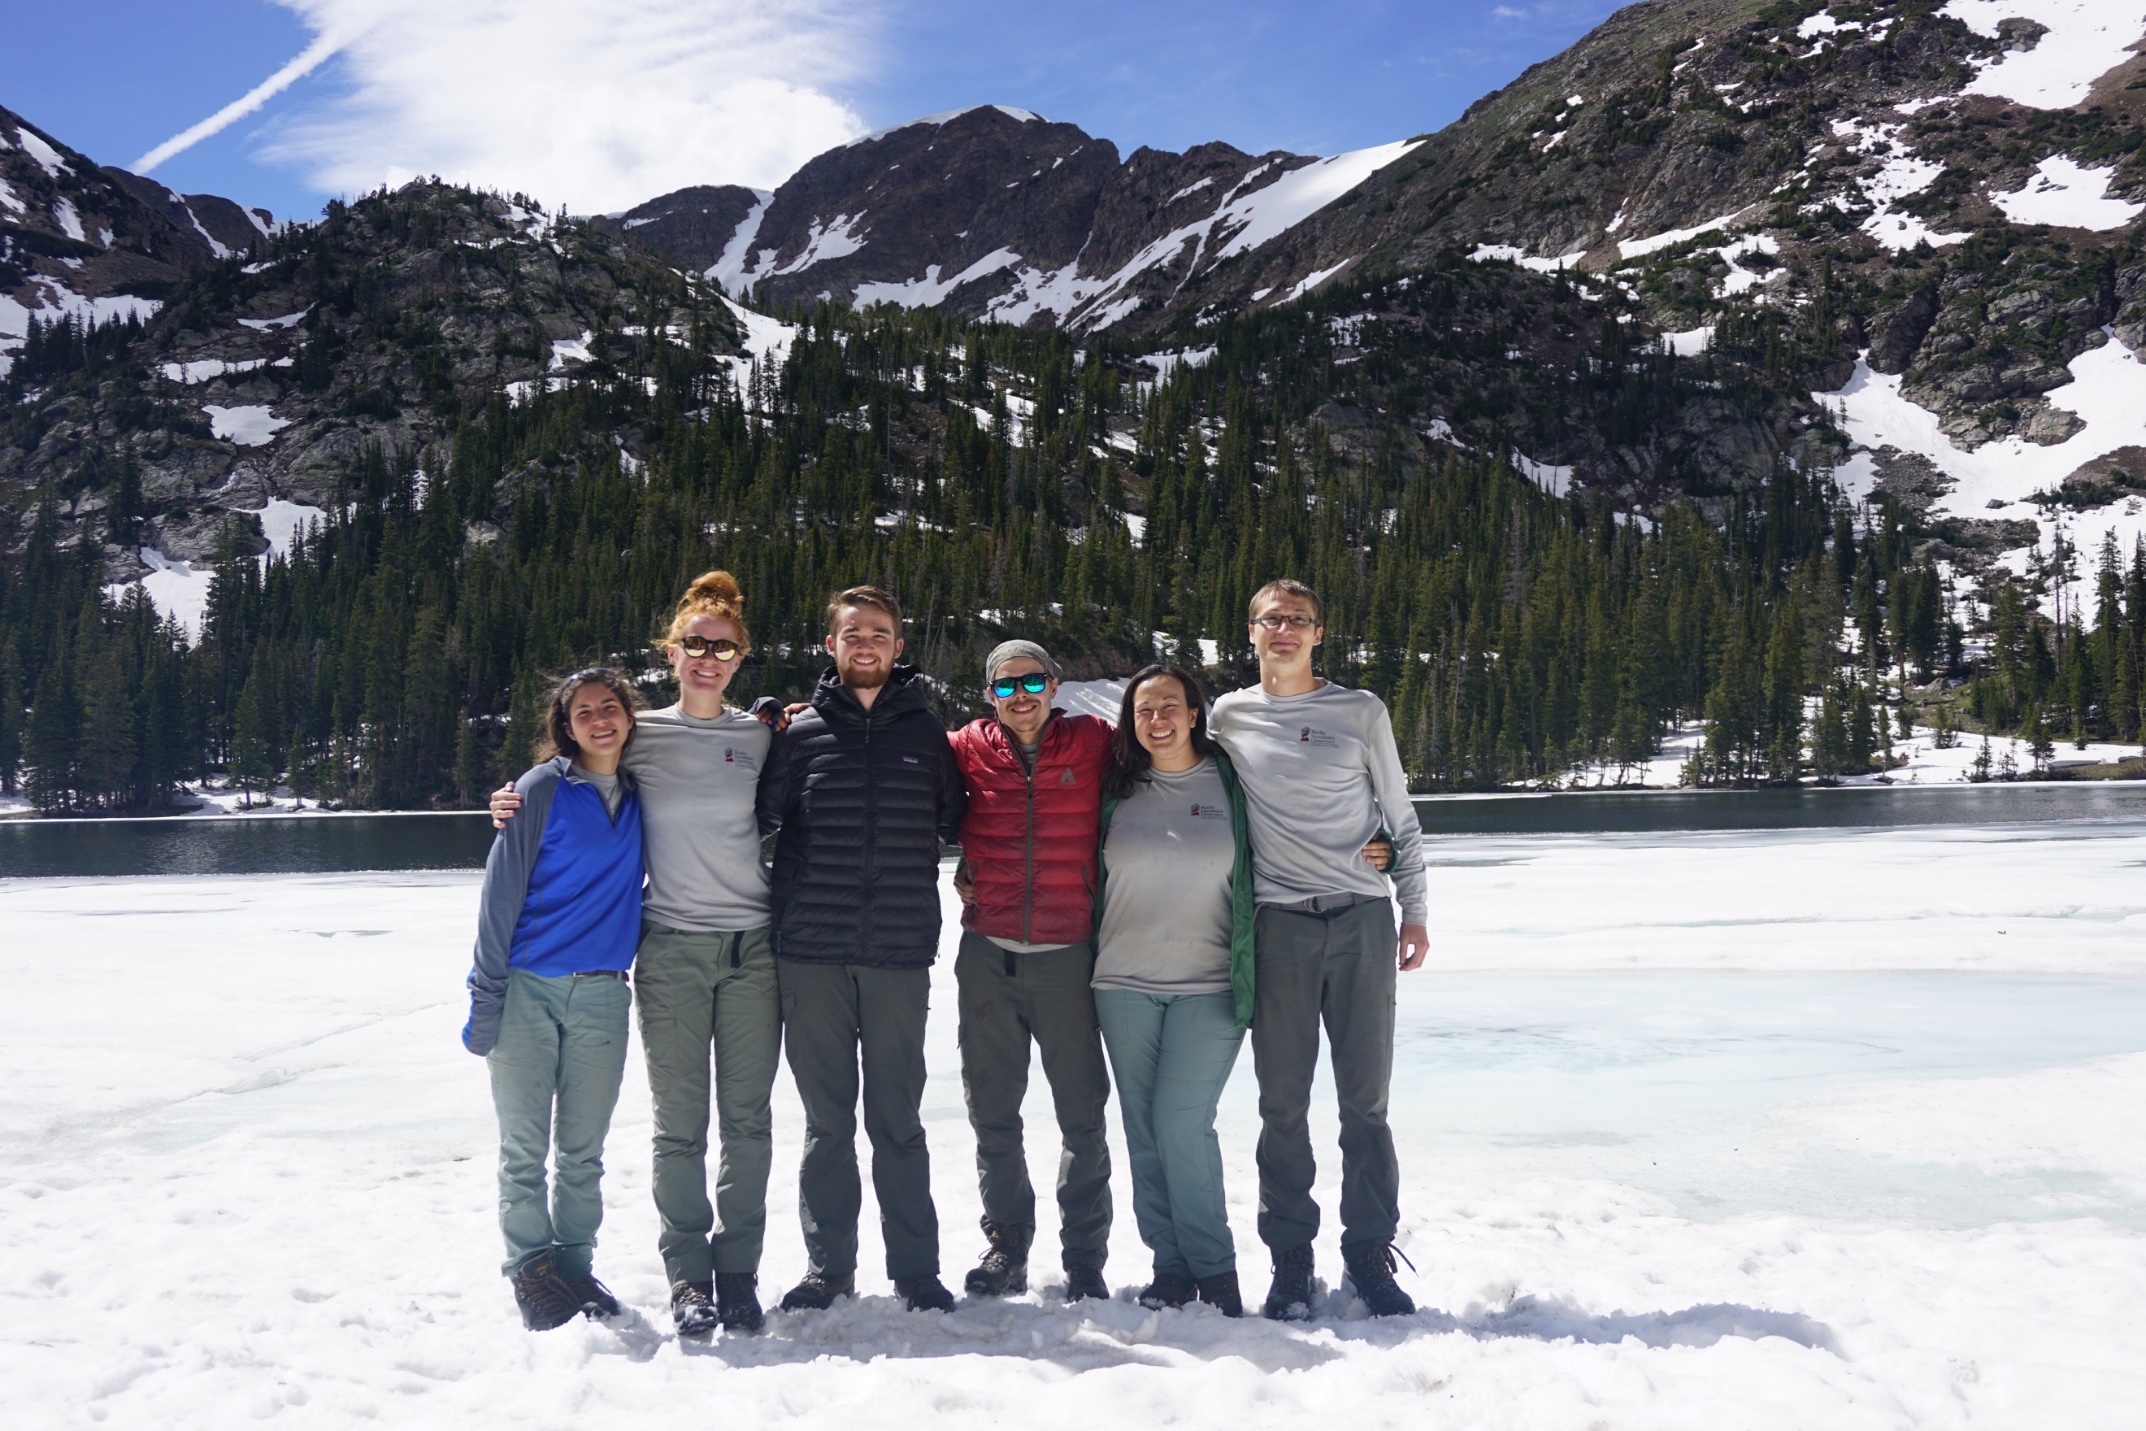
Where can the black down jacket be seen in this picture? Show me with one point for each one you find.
(863, 799)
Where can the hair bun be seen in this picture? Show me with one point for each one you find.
(715, 586)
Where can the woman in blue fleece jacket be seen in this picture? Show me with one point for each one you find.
(559, 919)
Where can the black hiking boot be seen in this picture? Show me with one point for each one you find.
(1003, 1269)
(592, 1297)
(691, 1312)
(925, 1293)
(1084, 1282)
(1220, 1292)
(546, 1301)
(1371, 1267)
(1169, 1289)
(816, 1291)
(1289, 1298)
(737, 1301)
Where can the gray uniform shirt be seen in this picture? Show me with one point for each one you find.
(1321, 773)
(698, 780)
(1166, 896)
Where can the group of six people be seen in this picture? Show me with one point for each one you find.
(1152, 890)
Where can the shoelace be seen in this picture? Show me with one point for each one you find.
(548, 1294)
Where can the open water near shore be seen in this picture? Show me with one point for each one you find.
(326, 844)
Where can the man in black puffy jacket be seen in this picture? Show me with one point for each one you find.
(863, 787)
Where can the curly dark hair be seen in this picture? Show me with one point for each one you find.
(1129, 760)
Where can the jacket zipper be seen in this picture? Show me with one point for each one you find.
(871, 816)
(1028, 886)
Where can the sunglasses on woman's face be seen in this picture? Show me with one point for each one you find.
(1033, 683)
(702, 646)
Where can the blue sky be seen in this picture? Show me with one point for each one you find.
(601, 103)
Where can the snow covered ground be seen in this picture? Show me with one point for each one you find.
(1999, 479)
(1758, 1130)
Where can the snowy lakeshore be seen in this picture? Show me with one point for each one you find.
(1756, 1129)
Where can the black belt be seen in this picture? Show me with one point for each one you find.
(1327, 903)
(618, 974)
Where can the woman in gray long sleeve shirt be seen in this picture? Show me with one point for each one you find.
(1173, 975)
(705, 966)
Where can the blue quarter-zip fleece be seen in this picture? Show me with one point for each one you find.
(562, 891)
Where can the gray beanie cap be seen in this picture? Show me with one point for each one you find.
(1006, 651)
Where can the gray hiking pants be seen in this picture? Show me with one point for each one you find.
(1334, 968)
(1006, 1000)
(702, 991)
(555, 1073)
(832, 1014)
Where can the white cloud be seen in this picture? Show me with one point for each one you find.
(598, 104)
(308, 60)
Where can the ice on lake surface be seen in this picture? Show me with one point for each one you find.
(1764, 1129)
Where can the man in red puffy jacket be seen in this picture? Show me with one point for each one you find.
(1035, 782)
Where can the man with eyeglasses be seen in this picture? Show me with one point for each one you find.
(1035, 784)
(1321, 774)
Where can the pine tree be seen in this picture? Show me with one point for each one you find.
(11, 716)
(253, 753)
(49, 741)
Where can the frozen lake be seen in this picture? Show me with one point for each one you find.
(1765, 1129)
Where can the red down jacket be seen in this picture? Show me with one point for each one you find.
(1029, 838)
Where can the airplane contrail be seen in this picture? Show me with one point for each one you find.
(308, 60)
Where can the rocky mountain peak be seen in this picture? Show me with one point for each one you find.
(97, 244)
(996, 212)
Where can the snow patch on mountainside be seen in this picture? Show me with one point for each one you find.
(1555, 480)
(204, 369)
(729, 267)
(249, 426)
(2065, 194)
(2085, 39)
(828, 241)
(1641, 247)
(767, 343)
(1512, 253)
(930, 291)
(1691, 342)
(47, 157)
(180, 590)
(1271, 211)
(56, 301)
(1999, 479)
(1245, 218)
(1899, 175)
(269, 325)
(1056, 292)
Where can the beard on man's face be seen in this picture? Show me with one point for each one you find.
(865, 680)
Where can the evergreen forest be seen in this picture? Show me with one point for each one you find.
(1009, 481)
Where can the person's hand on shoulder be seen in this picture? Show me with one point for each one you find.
(775, 715)
(505, 801)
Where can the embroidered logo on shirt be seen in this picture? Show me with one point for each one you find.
(1067, 778)
(729, 756)
(1310, 735)
(909, 760)
(734, 756)
(1209, 812)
